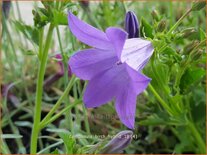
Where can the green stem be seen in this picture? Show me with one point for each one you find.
(55, 107)
(63, 57)
(39, 91)
(200, 143)
(41, 35)
(86, 120)
(178, 22)
(42, 125)
(163, 103)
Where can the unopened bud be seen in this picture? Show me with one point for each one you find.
(155, 15)
(198, 5)
(132, 25)
(188, 48)
(189, 32)
(118, 143)
(197, 54)
(161, 26)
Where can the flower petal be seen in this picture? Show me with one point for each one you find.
(104, 87)
(88, 63)
(126, 107)
(117, 37)
(136, 53)
(126, 98)
(87, 33)
(138, 80)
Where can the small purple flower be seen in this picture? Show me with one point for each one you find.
(110, 67)
(118, 143)
(132, 25)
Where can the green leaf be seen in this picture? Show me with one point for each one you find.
(56, 151)
(202, 34)
(29, 32)
(153, 120)
(69, 142)
(191, 76)
(23, 124)
(10, 136)
(146, 29)
(59, 18)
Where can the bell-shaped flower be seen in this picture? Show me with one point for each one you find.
(109, 68)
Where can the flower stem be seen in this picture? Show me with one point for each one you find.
(68, 88)
(178, 22)
(200, 142)
(42, 125)
(163, 103)
(39, 90)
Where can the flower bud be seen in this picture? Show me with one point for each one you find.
(189, 32)
(198, 5)
(197, 54)
(188, 48)
(131, 25)
(6, 8)
(118, 143)
(161, 26)
(155, 15)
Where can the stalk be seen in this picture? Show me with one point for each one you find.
(48, 116)
(200, 143)
(39, 91)
(179, 22)
(162, 102)
(42, 125)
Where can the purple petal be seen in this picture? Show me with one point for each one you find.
(138, 80)
(126, 107)
(88, 63)
(126, 98)
(88, 34)
(104, 87)
(136, 53)
(117, 38)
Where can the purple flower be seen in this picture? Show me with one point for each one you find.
(107, 67)
(118, 143)
(132, 25)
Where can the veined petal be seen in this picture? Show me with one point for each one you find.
(87, 33)
(104, 87)
(136, 53)
(86, 64)
(117, 37)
